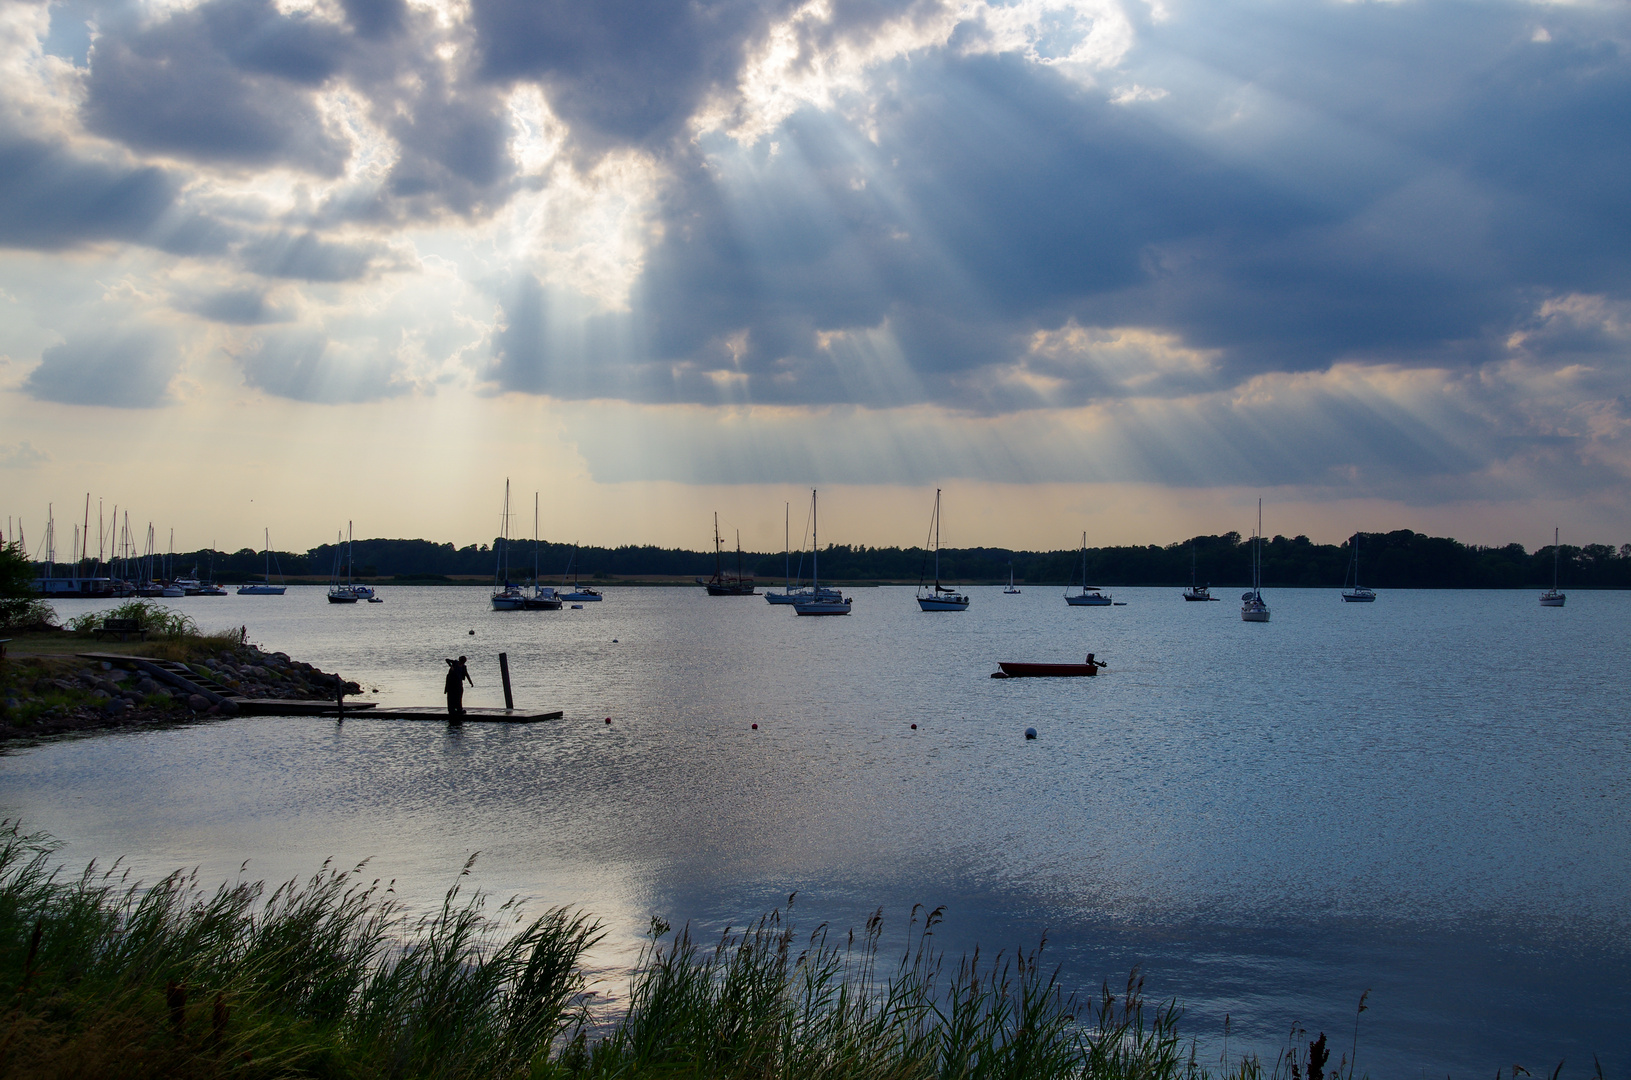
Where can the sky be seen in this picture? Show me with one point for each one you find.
(1121, 266)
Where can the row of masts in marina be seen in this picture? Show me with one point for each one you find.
(121, 568)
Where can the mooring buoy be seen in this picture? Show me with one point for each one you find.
(1030, 733)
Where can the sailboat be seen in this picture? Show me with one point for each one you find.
(1551, 597)
(578, 592)
(1252, 607)
(1010, 590)
(941, 597)
(1090, 596)
(793, 594)
(265, 588)
(723, 584)
(506, 597)
(820, 601)
(350, 592)
(1196, 592)
(1358, 594)
(544, 597)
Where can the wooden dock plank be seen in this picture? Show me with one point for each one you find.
(371, 710)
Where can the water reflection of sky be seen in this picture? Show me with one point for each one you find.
(1426, 797)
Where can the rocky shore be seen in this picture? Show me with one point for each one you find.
(42, 695)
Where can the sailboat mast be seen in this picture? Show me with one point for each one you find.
(535, 541)
(719, 566)
(787, 543)
(815, 548)
(936, 539)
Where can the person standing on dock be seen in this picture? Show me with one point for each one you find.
(457, 676)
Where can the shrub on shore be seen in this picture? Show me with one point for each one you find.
(103, 976)
(154, 618)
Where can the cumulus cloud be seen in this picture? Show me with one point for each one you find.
(229, 81)
(242, 307)
(128, 367)
(51, 198)
(304, 365)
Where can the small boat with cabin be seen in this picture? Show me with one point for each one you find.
(1551, 597)
(349, 592)
(819, 601)
(1090, 595)
(939, 597)
(265, 587)
(1252, 606)
(1196, 592)
(1358, 594)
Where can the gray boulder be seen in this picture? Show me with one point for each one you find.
(198, 703)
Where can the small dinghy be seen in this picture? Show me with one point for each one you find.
(1012, 669)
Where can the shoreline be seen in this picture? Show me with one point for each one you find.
(49, 688)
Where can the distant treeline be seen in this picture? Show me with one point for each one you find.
(1395, 560)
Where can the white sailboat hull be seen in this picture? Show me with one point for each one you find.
(946, 603)
(822, 607)
(260, 590)
(1090, 600)
(1552, 599)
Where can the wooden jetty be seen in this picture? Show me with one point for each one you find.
(370, 710)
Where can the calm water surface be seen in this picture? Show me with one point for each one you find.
(1427, 797)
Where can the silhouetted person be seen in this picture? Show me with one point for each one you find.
(457, 676)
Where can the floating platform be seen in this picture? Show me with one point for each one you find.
(469, 716)
(370, 710)
(296, 707)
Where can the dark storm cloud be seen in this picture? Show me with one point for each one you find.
(620, 71)
(126, 368)
(229, 81)
(51, 199)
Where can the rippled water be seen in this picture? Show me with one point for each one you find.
(1426, 796)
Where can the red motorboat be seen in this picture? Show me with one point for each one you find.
(1014, 670)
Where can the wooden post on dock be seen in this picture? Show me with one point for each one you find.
(504, 673)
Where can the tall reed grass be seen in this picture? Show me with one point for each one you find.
(329, 977)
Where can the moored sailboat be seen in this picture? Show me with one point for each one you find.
(577, 592)
(350, 592)
(1252, 606)
(506, 596)
(820, 601)
(1196, 591)
(1010, 590)
(544, 597)
(723, 584)
(1551, 597)
(940, 597)
(1090, 596)
(265, 587)
(1358, 594)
